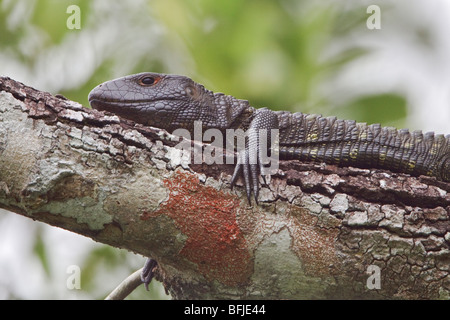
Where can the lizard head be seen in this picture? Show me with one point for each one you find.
(153, 99)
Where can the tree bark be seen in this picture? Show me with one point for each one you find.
(319, 231)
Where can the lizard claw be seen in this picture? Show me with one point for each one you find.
(254, 169)
(148, 271)
(237, 172)
(250, 173)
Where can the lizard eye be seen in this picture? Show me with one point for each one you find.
(148, 81)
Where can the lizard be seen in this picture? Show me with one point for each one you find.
(171, 102)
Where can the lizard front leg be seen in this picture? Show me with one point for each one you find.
(252, 158)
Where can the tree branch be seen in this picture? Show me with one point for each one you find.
(319, 232)
(126, 286)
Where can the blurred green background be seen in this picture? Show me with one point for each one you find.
(297, 55)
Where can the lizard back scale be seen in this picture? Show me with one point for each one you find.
(172, 101)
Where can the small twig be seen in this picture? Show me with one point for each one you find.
(126, 287)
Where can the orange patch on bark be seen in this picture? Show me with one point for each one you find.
(208, 218)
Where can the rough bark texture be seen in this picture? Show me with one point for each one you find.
(319, 231)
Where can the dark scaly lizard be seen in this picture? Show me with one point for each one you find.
(171, 102)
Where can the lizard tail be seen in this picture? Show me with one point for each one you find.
(445, 171)
(348, 143)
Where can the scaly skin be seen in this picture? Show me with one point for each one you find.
(171, 102)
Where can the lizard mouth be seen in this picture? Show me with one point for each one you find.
(118, 108)
(105, 105)
(133, 110)
(116, 104)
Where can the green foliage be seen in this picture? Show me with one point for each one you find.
(53, 24)
(40, 251)
(389, 109)
(269, 52)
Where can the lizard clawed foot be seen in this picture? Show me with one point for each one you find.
(250, 172)
(148, 271)
(252, 159)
